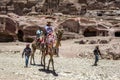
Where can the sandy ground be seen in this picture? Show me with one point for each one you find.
(68, 66)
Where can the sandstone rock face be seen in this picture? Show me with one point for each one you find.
(74, 7)
(8, 28)
(71, 25)
(88, 27)
(6, 37)
(23, 27)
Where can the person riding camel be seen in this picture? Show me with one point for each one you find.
(48, 28)
(39, 34)
(49, 33)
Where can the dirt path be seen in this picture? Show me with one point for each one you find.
(12, 68)
(67, 68)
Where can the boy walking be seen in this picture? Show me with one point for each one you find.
(96, 53)
(26, 52)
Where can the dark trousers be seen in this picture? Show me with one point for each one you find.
(96, 59)
(26, 60)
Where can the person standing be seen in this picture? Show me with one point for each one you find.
(26, 53)
(96, 53)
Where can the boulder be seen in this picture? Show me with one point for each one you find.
(103, 42)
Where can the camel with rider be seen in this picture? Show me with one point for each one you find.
(47, 50)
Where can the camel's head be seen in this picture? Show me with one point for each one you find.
(59, 34)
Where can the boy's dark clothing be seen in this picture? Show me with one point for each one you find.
(26, 52)
(96, 52)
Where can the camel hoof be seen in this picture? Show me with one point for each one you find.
(44, 69)
(54, 71)
(42, 65)
(47, 69)
(32, 64)
(57, 56)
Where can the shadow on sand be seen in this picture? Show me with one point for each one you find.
(49, 71)
(36, 65)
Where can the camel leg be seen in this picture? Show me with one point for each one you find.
(51, 60)
(32, 57)
(44, 61)
(52, 63)
(42, 56)
(49, 63)
(57, 52)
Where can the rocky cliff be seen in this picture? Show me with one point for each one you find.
(78, 7)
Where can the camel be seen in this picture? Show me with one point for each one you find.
(53, 50)
(35, 46)
(47, 50)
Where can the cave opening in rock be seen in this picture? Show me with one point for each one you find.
(90, 33)
(117, 34)
(20, 35)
